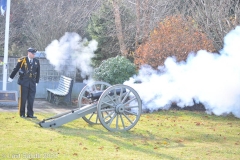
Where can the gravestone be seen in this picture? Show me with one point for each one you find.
(8, 98)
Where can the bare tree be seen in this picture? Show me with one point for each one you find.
(16, 37)
(51, 20)
(146, 16)
(119, 29)
(37, 23)
(148, 13)
(137, 22)
(215, 18)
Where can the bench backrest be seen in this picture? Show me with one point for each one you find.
(65, 84)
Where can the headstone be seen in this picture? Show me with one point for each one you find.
(8, 98)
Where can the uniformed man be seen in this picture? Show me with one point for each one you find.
(29, 73)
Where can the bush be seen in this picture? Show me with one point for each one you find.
(174, 37)
(115, 70)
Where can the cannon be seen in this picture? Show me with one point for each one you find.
(117, 107)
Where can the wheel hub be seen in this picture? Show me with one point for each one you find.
(119, 108)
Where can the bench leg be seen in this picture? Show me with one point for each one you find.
(52, 98)
(56, 99)
(48, 96)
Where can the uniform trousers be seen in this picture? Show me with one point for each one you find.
(27, 93)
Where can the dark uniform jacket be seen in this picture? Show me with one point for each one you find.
(29, 74)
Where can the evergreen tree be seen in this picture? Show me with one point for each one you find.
(102, 28)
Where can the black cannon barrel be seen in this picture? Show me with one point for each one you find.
(118, 90)
(96, 95)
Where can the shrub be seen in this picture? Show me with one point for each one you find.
(174, 37)
(115, 70)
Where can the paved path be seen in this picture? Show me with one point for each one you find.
(40, 105)
(43, 106)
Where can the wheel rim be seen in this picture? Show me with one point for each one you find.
(123, 108)
(83, 99)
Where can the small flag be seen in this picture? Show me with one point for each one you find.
(3, 6)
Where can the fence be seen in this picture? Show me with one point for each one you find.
(48, 76)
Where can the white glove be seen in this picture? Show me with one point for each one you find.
(10, 79)
(36, 84)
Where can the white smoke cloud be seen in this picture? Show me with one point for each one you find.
(212, 79)
(71, 52)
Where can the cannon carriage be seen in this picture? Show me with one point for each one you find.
(117, 107)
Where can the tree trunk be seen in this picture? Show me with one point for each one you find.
(137, 23)
(146, 19)
(118, 24)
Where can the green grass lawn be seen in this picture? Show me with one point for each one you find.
(162, 135)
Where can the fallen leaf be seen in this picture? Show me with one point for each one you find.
(101, 148)
(165, 142)
(197, 123)
(75, 154)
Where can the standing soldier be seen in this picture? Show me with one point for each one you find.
(29, 73)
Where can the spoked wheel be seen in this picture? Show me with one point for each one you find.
(84, 99)
(119, 108)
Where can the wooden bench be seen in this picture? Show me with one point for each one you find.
(63, 93)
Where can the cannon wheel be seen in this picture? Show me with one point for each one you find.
(83, 100)
(119, 111)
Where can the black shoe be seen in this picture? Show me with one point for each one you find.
(22, 116)
(31, 117)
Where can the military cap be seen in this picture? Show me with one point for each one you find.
(32, 50)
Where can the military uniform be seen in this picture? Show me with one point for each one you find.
(29, 74)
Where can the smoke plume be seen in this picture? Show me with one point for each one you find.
(71, 52)
(207, 78)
